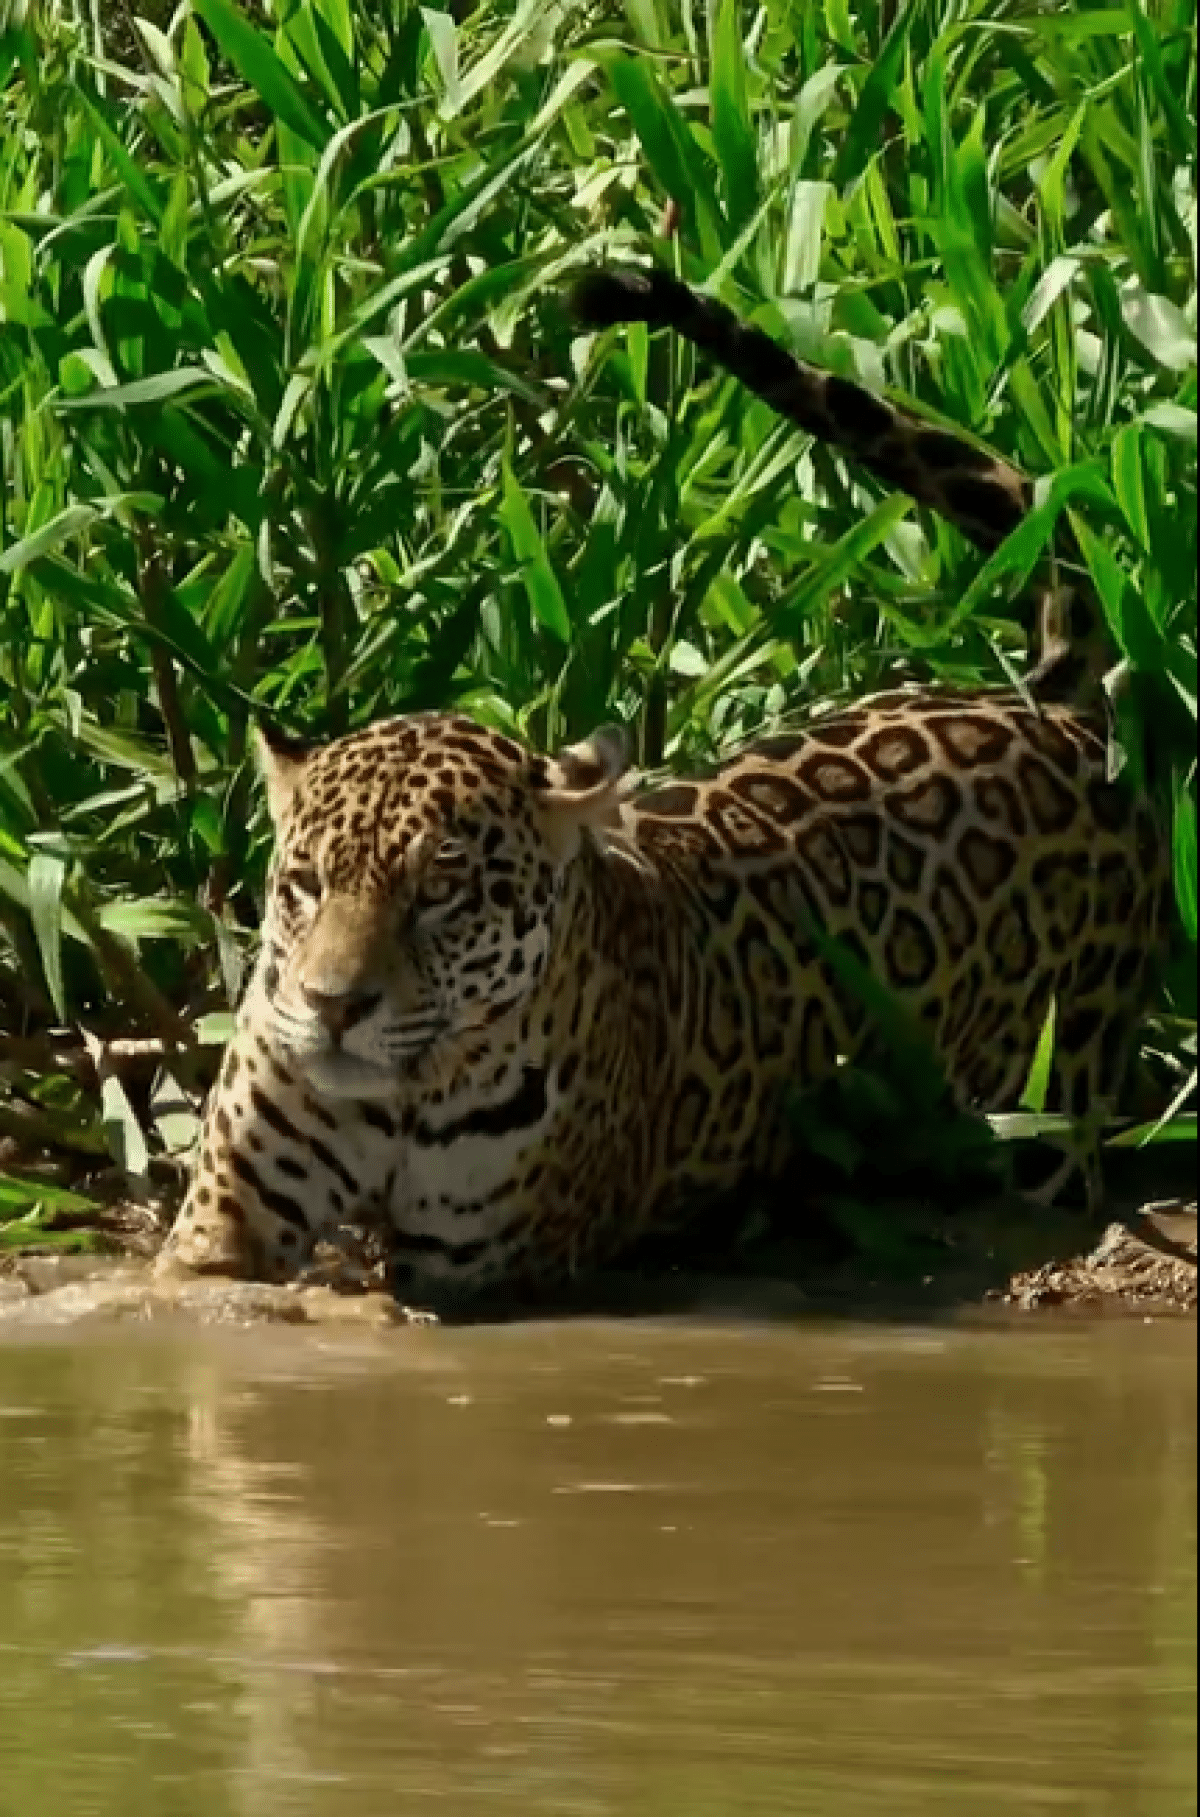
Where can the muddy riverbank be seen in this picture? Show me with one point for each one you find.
(1009, 1255)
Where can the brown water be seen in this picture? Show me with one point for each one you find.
(600, 1570)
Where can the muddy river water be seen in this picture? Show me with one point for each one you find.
(600, 1569)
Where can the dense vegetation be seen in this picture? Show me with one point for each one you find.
(293, 419)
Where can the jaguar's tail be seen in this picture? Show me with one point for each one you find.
(974, 489)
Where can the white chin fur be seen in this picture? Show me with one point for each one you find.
(342, 1075)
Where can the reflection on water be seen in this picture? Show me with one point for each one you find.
(600, 1571)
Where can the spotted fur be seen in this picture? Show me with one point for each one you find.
(523, 1013)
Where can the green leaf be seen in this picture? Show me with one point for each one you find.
(1133, 630)
(733, 133)
(545, 595)
(1128, 482)
(1105, 22)
(250, 53)
(123, 1133)
(177, 632)
(19, 308)
(1162, 328)
(1019, 554)
(216, 1029)
(1037, 1085)
(1153, 36)
(1183, 840)
(835, 564)
(67, 524)
(1172, 1126)
(127, 168)
(46, 878)
(141, 391)
(174, 1117)
(466, 367)
(1053, 179)
(224, 611)
(193, 67)
(670, 149)
(20, 1193)
(443, 41)
(1029, 1125)
(154, 918)
(322, 48)
(685, 659)
(126, 750)
(14, 884)
(520, 34)
(1174, 419)
(860, 141)
(37, 1230)
(904, 180)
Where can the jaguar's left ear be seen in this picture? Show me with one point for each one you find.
(584, 787)
(282, 762)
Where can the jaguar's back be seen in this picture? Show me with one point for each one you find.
(527, 1012)
(967, 851)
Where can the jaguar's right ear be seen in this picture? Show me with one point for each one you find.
(282, 762)
(585, 787)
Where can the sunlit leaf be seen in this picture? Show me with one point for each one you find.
(1037, 1085)
(46, 878)
(249, 51)
(541, 584)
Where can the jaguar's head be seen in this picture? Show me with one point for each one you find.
(418, 869)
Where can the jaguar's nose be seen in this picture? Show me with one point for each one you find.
(340, 1010)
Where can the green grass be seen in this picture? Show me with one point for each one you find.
(293, 419)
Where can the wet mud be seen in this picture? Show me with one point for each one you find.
(1009, 1255)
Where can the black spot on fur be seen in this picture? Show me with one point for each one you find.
(984, 504)
(910, 954)
(527, 1106)
(944, 452)
(859, 415)
(278, 1203)
(672, 803)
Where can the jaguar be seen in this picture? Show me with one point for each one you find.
(521, 1011)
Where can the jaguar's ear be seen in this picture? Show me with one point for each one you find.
(282, 762)
(584, 787)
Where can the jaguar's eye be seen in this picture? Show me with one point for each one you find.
(437, 890)
(445, 880)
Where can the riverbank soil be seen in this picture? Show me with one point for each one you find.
(841, 1258)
